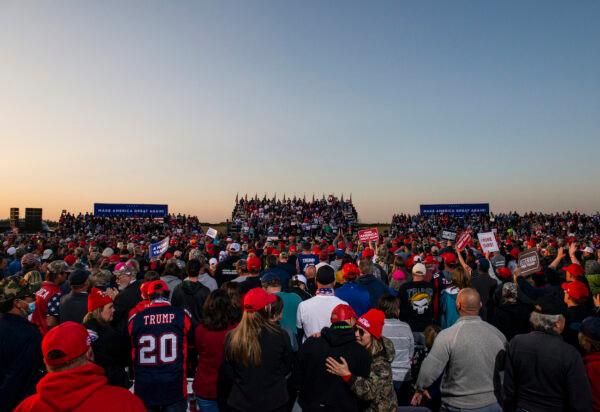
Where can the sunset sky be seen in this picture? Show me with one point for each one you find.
(397, 102)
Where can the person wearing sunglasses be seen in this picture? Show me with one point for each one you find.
(377, 388)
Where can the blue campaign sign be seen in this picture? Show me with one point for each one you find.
(456, 209)
(157, 249)
(130, 210)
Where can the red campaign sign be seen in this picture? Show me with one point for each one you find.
(366, 235)
(463, 239)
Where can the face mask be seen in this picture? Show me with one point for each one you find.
(30, 308)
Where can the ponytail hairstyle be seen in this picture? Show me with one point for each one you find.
(243, 345)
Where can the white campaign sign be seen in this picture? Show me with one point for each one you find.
(488, 242)
(212, 233)
(448, 235)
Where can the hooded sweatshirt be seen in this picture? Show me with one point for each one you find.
(190, 295)
(319, 389)
(80, 389)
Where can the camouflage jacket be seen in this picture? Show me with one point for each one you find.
(378, 388)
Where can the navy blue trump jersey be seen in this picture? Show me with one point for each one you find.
(159, 336)
(305, 260)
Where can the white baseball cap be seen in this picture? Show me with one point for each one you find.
(47, 254)
(300, 278)
(213, 261)
(419, 269)
(588, 249)
(11, 251)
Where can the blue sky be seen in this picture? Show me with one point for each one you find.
(398, 103)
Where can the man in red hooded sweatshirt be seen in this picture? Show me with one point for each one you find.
(74, 382)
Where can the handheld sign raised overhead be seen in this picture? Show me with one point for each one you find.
(448, 235)
(157, 249)
(463, 239)
(488, 242)
(367, 235)
(529, 262)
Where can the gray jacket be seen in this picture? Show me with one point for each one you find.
(404, 345)
(467, 354)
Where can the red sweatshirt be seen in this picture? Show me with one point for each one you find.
(210, 345)
(592, 367)
(80, 389)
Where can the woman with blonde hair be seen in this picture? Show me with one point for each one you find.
(258, 357)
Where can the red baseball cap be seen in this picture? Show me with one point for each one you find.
(256, 299)
(341, 245)
(504, 273)
(156, 286)
(574, 269)
(342, 312)
(97, 299)
(576, 289)
(293, 248)
(323, 255)
(69, 338)
(330, 249)
(449, 258)
(368, 253)
(350, 270)
(430, 260)
(253, 263)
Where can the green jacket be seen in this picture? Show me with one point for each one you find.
(378, 388)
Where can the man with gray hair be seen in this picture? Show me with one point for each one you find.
(466, 354)
(542, 372)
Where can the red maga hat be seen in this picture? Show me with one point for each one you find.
(574, 269)
(256, 299)
(69, 339)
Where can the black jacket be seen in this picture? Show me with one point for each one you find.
(485, 285)
(250, 282)
(20, 360)
(226, 270)
(575, 315)
(261, 388)
(543, 373)
(304, 295)
(190, 296)
(73, 307)
(124, 302)
(319, 389)
(512, 319)
(111, 352)
(374, 286)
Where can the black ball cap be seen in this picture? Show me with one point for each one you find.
(78, 277)
(325, 275)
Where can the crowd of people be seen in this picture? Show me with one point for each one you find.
(311, 320)
(255, 217)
